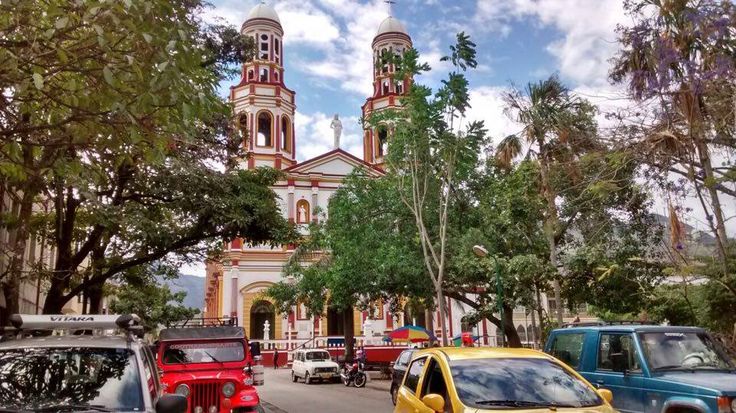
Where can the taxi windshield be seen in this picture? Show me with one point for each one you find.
(318, 355)
(682, 350)
(204, 352)
(521, 383)
(70, 379)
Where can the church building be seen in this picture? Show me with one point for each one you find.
(235, 285)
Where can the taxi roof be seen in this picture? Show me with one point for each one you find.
(465, 353)
(109, 341)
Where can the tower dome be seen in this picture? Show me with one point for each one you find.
(263, 11)
(391, 25)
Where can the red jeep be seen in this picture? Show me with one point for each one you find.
(210, 365)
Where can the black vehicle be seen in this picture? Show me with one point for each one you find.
(353, 374)
(398, 369)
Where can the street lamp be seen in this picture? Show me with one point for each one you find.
(481, 252)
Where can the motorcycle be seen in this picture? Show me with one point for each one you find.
(354, 374)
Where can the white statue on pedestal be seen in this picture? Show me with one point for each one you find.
(336, 126)
(302, 214)
(266, 329)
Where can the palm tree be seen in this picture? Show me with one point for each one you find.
(557, 126)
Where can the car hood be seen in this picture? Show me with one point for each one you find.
(720, 381)
(596, 409)
(326, 363)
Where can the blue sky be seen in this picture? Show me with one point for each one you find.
(327, 46)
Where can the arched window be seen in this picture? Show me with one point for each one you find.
(276, 76)
(285, 134)
(384, 60)
(264, 74)
(264, 47)
(243, 127)
(399, 87)
(251, 74)
(521, 331)
(265, 122)
(302, 212)
(382, 141)
(385, 87)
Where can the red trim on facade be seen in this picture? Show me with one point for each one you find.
(234, 263)
(315, 183)
(251, 162)
(289, 182)
(236, 244)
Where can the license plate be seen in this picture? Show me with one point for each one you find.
(326, 375)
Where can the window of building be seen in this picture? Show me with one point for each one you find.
(251, 74)
(264, 75)
(276, 46)
(264, 129)
(382, 141)
(285, 133)
(276, 76)
(384, 61)
(385, 87)
(568, 348)
(399, 87)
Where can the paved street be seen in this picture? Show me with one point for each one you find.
(280, 395)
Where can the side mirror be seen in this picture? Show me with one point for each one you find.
(606, 395)
(618, 361)
(171, 403)
(434, 402)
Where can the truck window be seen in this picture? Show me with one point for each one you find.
(618, 348)
(412, 376)
(568, 347)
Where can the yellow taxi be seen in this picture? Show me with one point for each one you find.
(485, 379)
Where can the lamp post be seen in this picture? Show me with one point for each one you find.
(481, 252)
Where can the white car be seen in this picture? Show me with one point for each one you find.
(313, 365)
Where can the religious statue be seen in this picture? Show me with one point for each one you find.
(266, 330)
(336, 126)
(302, 214)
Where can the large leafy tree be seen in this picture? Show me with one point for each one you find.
(365, 254)
(111, 116)
(558, 127)
(431, 154)
(678, 60)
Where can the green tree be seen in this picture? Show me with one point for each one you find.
(431, 154)
(141, 293)
(559, 126)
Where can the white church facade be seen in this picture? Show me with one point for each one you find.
(262, 102)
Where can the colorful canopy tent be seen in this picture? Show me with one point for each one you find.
(413, 334)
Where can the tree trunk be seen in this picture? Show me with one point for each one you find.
(429, 320)
(550, 230)
(512, 336)
(94, 295)
(443, 322)
(349, 329)
(710, 180)
(17, 240)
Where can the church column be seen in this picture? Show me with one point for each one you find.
(227, 271)
(315, 199)
(290, 206)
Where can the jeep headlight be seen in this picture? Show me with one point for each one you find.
(228, 389)
(182, 389)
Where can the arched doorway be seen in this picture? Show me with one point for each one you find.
(414, 314)
(260, 312)
(335, 322)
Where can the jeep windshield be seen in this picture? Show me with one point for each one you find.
(519, 383)
(682, 350)
(318, 355)
(70, 379)
(204, 352)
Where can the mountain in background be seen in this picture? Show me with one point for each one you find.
(192, 285)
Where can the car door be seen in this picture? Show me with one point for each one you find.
(298, 364)
(408, 400)
(435, 381)
(618, 369)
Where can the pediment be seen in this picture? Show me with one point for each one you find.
(334, 163)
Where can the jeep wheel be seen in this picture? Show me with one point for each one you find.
(394, 394)
(307, 379)
(293, 376)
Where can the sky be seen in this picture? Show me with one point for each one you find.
(327, 57)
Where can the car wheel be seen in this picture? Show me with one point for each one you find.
(293, 376)
(307, 379)
(394, 394)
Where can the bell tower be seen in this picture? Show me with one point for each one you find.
(391, 38)
(262, 103)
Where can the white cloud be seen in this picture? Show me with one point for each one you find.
(487, 105)
(588, 31)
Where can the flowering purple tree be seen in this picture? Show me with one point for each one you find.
(679, 61)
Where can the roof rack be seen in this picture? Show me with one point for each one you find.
(198, 322)
(606, 323)
(24, 323)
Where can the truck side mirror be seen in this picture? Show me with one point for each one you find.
(619, 362)
(171, 403)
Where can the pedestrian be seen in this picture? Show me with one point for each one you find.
(275, 358)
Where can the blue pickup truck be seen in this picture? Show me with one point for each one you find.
(653, 369)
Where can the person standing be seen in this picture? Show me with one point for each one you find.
(275, 358)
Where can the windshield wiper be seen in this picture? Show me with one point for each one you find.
(212, 357)
(521, 403)
(671, 367)
(72, 407)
